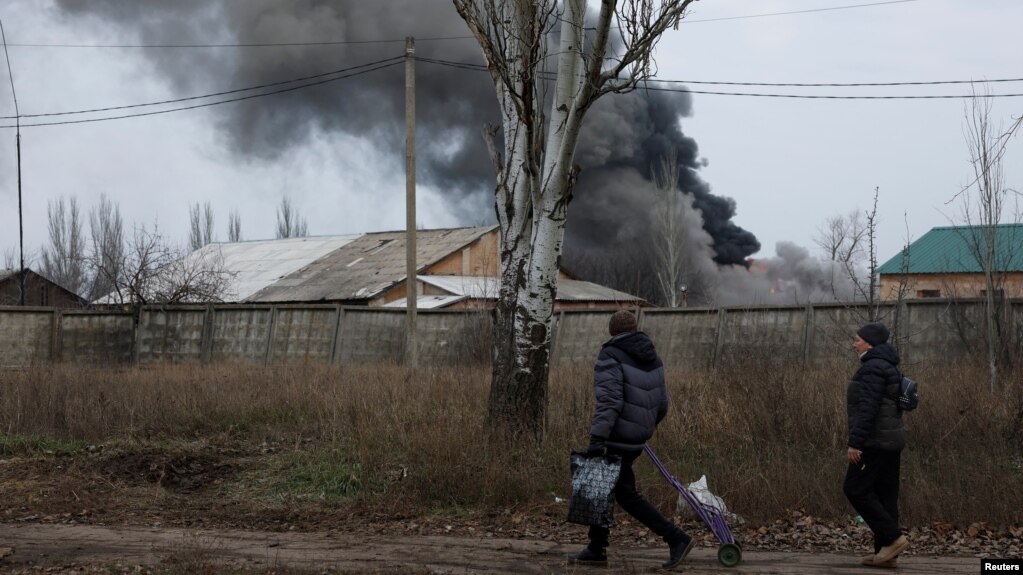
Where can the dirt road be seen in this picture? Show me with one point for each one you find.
(79, 547)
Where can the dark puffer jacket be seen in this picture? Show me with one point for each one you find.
(631, 398)
(874, 417)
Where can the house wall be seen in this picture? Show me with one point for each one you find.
(945, 285)
(39, 291)
(480, 258)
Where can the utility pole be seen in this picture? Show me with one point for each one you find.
(21, 225)
(411, 280)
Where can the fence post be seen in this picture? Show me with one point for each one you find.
(270, 335)
(808, 332)
(338, 318)
(206, 345)
(904, 331)
(136, 332)
(55, 336)
(718, 337)
(556, 344)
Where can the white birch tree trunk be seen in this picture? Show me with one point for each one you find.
(534, 169)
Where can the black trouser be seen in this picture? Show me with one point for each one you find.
(629, 498)
(872, 486)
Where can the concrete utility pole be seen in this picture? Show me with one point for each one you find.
(411, 290)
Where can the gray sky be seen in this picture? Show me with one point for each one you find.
(788, 164)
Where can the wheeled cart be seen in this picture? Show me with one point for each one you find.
(729, 553)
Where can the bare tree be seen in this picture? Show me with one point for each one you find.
(841, 238)
(289, 223)
(535, 174)
(234, 227)
(153, 271)
(106, 229)
(670, 234)
(10, 259)
(64, 257)
(201, 228)
(983, 211)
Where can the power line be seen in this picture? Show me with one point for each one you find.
(433, 39)
(550, 77)
(480, 67)
(395, 62)
(17, 113)
(244, 45)
(224, 93)
(807, 11)
(825, 97)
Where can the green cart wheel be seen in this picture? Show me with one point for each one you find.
(729, 554)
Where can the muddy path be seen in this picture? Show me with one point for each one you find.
(92, 548)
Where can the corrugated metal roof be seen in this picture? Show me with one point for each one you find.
(489, 287)
(367, 266)
(948, 250)
(255, 265)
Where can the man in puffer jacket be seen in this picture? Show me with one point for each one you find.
(631, 400)
(876, 439)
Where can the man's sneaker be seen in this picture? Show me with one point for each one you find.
(871, 561)
(892, 550)
(678, 552)
(588, 557)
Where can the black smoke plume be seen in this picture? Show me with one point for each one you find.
(623, 137)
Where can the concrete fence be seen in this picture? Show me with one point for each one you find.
(297, 333)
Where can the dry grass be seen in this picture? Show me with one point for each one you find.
(770, 438)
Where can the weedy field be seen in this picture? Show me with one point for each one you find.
(370, 450)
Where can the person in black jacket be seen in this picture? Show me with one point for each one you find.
(632, 399)
(876, 440)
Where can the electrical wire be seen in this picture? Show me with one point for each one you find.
(807, 11)
(208, 104)
(428, 39)
(480, 67)
(550, 77)
(189, 98)
(244, 45)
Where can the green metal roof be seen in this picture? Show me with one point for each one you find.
(949, 250)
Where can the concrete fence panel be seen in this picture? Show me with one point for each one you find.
(580, 335)
(371, 335)
(26, 336)
(943, 330)
(171, 334)
(96, 337)
(762, 333)
(682, 336)
(241, 334)
(834, 326)
(303, 334)
(454, 337)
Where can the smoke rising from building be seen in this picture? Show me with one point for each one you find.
(623, 136)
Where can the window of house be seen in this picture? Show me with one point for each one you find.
(922, 293)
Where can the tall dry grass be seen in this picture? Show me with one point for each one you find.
(770, 437)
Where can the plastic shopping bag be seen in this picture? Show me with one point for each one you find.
(593, 483)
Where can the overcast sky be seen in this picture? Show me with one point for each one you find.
(788, 163)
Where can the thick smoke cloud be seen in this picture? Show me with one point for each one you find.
(624, 134)
(613, 208)
(627, 136)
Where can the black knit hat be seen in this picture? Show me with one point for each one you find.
(622, 321)
(873, 333)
